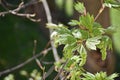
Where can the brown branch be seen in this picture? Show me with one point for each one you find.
(37, 60)
(24, 63)
(34, 51)
(16, 12)
(100, 11)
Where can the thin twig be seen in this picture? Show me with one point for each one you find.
(49, 71)
(60, 71)
(16, 12)
(49, 19)
(100, 11)
(24, 63)
(47, 63)
(37, 60)
(34, 51)
(48, 44)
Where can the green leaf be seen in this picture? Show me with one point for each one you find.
(106, 44)
(92, 42)
(51, 26)
(87, 21)
(83, 54)
(76, 33)
(61, 29)
(88, 76)
(80, 7)
(65, 39)
(95, 24)
(97, 29)
(110, 30)
(98, 76)
(75, 75)
(54, 35)
(76, 58)
(85, 34)
(68, 50)
(101, 76)
(112, 76)
(112, 3)
(74, 23)
(104, 53)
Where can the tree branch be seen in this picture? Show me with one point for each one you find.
(16, 12)
(49, 19)
(24, 63)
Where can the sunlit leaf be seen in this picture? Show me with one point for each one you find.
(51, 26)
(112, 3)
(74, 22)
(112, 76)
(76, 33)
(80, 7)
(65, 39)
(83, 54)
(92, 42)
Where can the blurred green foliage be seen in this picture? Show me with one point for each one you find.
(115, 20)
(67, 5)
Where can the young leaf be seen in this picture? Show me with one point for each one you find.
(76, 33)
(51, 26)
(54, 35)
(65, 39)
(68, 50)
(87, 21)
(88, 76)
(76, 58)
(74, 23)
(80, 7)
(112, 4)
(105, 44)
(92, 42)
(104, 53)
(112, 76)
(83, 54)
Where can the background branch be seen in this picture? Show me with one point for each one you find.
(16, 12)
(24, 63)
(49, 19)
